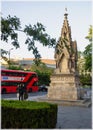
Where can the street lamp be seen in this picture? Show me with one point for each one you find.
(9, 55)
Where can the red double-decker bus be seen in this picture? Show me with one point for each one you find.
(11, 78)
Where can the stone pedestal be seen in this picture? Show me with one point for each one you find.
(64, 87)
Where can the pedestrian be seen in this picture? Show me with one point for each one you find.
(25, 92)
(20, 90)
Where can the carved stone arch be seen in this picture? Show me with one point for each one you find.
(63, 64)
(66, 53)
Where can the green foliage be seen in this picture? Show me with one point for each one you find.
(9, 27)
(88, 51)
(44, 78)
(37, 32)
(37, 61)
(28, 114)
(85, 57)
(86, 79)
(24, 104)
(43, 73)
(88, 57)
(3, 54)
(12, 67)
(90, 34)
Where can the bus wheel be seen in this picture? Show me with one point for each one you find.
(30, 90)
(3, 91)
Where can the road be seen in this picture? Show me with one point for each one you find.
(35, 95)
(31, 96)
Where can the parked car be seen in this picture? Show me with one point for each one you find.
(43, 88)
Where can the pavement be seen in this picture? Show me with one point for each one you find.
(71, 117)
(74, 117)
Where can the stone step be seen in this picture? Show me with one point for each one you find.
(82, 103)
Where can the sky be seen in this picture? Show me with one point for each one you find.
(51, 15)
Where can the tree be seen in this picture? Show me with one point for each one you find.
(43, 73)
(86, 61)
(88, 51)
(9, 28)
(90, 34)
(88, 57)
(12, 67)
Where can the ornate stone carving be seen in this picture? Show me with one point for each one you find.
(65, 84)
(66, 51)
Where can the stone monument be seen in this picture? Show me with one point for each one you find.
(65, 83)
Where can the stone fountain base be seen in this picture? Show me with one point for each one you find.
(65, 87)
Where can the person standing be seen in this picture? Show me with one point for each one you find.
(25, 92)
(20, 90)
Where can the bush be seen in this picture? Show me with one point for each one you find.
(28, 114)
(86, 79)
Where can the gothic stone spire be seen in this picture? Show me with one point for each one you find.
(66, 30)
(66, 50)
